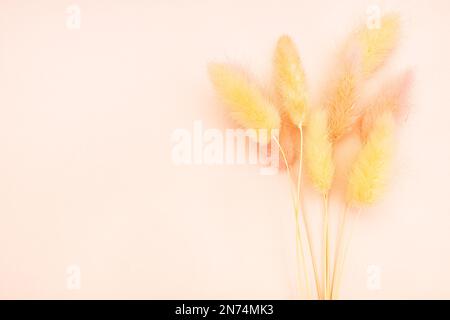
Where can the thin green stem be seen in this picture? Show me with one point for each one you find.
(300, 164)
(311, 251)
(344, 256)
(300, 256)
(341, 228)
(304, 217)
(283, 154)
(325, 249)
(299, 244)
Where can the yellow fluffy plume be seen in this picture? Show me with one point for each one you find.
(290, 80)
(340, 99)
(369, 172)
(319, 151)
(377, 42)
(364, 52)
(249, 107)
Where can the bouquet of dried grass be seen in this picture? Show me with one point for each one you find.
(342, 111)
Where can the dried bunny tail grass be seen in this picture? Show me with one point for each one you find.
(370, 170)
(393, 97)
(319, 151)
(320, 169)
(366, 50)
(290, 80)
(340, 98)
(377, 43)
(249, 107)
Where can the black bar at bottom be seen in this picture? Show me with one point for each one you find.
(223, 309)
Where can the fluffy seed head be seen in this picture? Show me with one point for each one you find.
(319, 151)
(365, 51)
(249, 107)
(378, 43)
(340, 98)
(369, 172)
(290, 80)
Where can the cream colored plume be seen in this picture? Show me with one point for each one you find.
(377, 42)
(249, 106)
(370, 170)
(290, 80)
(341, 96)
(319, 151)
(364, 52)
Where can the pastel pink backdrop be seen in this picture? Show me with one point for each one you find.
(86, 176)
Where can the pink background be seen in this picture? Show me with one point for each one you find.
(86, 176)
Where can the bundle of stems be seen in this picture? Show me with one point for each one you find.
(342, 111)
